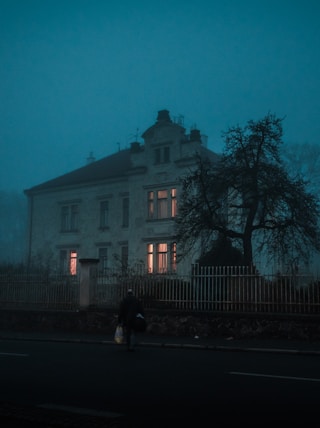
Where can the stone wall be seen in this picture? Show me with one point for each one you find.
(160, 323)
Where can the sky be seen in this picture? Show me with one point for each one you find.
(82, 76)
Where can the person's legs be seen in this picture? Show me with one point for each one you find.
(128, 336)
(132, 340)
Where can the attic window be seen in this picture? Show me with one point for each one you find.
(162, 155)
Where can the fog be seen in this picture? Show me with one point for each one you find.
(90, 76)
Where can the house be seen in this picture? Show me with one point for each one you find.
(119, 209)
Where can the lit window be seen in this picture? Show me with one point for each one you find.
(162, 203)
(162, 206)
(162, 258)
(150, 258)
(68, 262)
(73, 263)
(158, 257)
(150, 205)
(173, 202)
(173, 257)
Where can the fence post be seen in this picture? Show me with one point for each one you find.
(88, 280)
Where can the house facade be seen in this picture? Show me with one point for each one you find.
(120, 209)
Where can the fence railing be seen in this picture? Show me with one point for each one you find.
(39, 290)
(218, 288)
(242, 288)
(213, 289)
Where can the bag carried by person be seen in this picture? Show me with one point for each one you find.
(118, 335)
(140, 324)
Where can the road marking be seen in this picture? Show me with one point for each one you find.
(13, 354)
(80, 410)
(310, 379)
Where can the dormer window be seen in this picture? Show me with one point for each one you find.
(166, 154)
(162, 155)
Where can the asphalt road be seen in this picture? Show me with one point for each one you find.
(163, 385)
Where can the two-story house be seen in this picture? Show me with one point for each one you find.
(120, 209)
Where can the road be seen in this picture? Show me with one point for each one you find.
(156, 383)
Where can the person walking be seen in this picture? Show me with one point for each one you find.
(130, 307)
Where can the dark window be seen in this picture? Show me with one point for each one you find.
(103, 259)
(125, 212)
(157, 156)
(69, 218)
(166, 154)
(104, 214)
(124, 257)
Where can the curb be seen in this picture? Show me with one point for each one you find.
(187, 346)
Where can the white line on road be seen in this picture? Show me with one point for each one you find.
(81, 411)
(13, 354)
(310, 379)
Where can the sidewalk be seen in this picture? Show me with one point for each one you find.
(201, 343)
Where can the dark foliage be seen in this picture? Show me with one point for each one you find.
(249, 197)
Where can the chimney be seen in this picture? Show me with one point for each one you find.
(195, 135)
(135, 147)
(163, 116)
(90, 158)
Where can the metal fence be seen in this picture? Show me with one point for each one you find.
(39, 290)
(217, 289)
(244, 289)
(212, 289)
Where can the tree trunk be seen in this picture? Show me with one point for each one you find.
(247, 248)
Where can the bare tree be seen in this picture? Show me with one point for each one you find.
(303, 160)
(249, 197)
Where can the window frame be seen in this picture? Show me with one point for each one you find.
(162, 257)
(161, 205)
(69, 218)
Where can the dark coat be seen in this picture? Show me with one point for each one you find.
(129, 308)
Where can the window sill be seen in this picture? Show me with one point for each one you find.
(156, 220)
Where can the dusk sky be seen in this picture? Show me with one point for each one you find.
(81, 76)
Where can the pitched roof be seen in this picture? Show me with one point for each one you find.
(112, 166)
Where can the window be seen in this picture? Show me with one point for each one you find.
(150, 205)
(164, 205)
(162, 257)
(73, 263)
(69, 218)
(103, 259)
(162, 199)
(166, 154)
(162, 155)
(150, 258)
(68, 262)
(125, 212)
(104, 214)
(124, 257)
(157, 156)
(173, 202)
